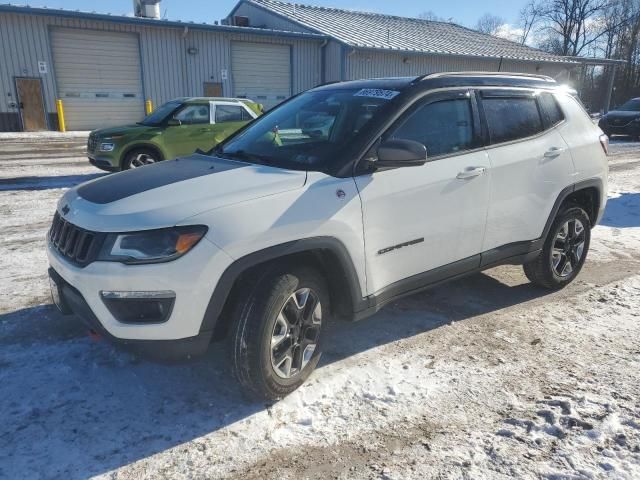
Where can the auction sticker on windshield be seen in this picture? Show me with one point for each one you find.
(376, 93)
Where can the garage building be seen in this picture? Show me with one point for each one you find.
(105, 67)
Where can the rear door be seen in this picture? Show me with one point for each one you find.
(419, 218)
(530, 163)
(227, 118)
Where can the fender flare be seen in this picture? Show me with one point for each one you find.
(562, 196)
(313, 244)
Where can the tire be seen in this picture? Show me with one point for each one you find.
(279, 311)
(140, 157)
(550, 269)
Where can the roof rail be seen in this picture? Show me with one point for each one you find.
(483, 74)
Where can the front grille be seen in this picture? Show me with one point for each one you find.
(92, 143)
(74, 243)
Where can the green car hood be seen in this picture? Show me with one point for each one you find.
(123, 130)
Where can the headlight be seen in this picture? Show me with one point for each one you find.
(151, 246)
(106, 147)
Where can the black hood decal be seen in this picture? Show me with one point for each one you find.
(121, 185)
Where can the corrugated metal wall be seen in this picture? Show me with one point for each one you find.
(367, 64)
(168, 70)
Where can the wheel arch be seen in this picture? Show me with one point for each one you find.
(326, 254)
(587, 194)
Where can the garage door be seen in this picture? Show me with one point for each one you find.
(98, 77)
(261, 72)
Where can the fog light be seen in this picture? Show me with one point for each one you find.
(139, 307)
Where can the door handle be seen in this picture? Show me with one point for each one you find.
(471, 172)
(553, 152)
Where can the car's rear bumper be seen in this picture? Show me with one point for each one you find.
(191, 278)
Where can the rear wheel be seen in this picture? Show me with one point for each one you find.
(564, 250)
(276, 337)
(139, 158)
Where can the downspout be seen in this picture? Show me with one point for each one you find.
(323, 61)
(183, 55)
(500, 64)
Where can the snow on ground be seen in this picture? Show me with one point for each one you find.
(485, 377)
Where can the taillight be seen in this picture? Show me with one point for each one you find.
(604, 141)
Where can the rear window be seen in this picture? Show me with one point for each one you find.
(551, 112)
(511, 118)
(230, 113)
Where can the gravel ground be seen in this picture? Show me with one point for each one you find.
(486, 377)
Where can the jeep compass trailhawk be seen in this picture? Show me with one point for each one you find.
(333, 204)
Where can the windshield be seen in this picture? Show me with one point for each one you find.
(160, 114)
(631, 106)
(308, 131)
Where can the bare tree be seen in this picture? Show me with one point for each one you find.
(489, 23)
(430, 15)
(570, 25)
(529, 18)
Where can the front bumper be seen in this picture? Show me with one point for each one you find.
(108, 164)
(192, 278)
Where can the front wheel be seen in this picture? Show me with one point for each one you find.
(564, 251)
(276, 337)
(139, 158)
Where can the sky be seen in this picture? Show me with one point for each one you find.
(465, 12)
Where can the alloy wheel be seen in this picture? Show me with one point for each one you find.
(568, 248)
(295, 333)
(141, 160)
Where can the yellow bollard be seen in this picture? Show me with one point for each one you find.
(61, 125)
(148, 106)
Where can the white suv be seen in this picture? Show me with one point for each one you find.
(338, 201)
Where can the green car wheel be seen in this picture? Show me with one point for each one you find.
(139, 158)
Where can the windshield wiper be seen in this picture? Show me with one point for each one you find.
(240, 155)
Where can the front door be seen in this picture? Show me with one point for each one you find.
(194, 131)
(419, 218)
(31, 103)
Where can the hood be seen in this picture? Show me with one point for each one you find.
(123, 130)
(621, 115)
(168, 192)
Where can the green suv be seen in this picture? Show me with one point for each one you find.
(179, 127)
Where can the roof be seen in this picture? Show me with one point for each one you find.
(59, 12)
(449, 79)
(388, 32)
(214, 99)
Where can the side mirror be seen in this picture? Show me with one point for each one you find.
(174, 122)
(401, 153)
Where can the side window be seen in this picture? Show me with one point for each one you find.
(444, 127)
(511, 118)
(246, 116)
(193, 114)
(229, 113)
(551, 112)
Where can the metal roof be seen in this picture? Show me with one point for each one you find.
(387, 32)
(152, 22)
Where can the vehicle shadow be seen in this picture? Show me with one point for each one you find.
(46, 183)
(622, 211)
(72, 407)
